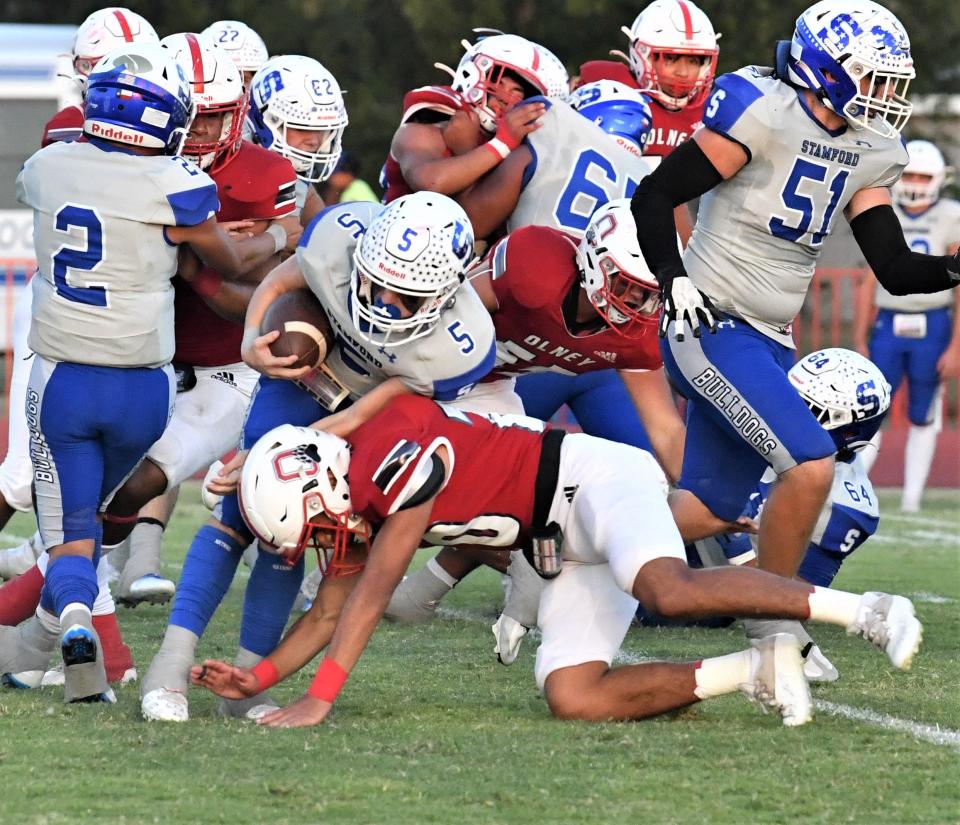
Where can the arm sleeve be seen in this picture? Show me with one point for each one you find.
(684, 175)
(900, 270)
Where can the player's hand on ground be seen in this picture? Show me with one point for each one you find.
(684, 304)
(303, 713)
(238, 229)
(255, 352)
(948, 364)
(291, 225)
(519, 122)
(462, 133)
(225, 680)
(226, 481)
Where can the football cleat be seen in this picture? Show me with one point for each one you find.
(25, 653)
(889, 623)
(778, 680)
(151, 588)
(816, 666)
(509, 634)
(250, 709)
(165, 705)
(85, 679)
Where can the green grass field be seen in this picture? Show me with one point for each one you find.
(430, 729)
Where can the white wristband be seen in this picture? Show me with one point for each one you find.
(498, 147)
(279, 235)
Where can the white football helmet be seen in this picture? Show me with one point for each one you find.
(217, 89)
(245, 47)
(672, 27)
(926, 160)
(613, 271)
(846, 392)
(552, 73)
(840, 48)
(480, 73)
(106, 30)
(418, 248)
(294, 492)
(297, 92)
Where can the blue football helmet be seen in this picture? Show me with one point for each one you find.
(845, 391)
(616, 108)
(139, 96)
(855, 55)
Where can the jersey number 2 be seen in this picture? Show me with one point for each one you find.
(806, 205)
(86, 258)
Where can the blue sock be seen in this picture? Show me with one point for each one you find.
(207, 572)
(271, 591)
(69, 579)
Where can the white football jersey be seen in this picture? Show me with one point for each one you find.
(932, 232)
(444, 364)
(758, 234)
(102, 294)
(576, 168)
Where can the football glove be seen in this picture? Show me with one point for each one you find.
(953, 268)
(683, 302)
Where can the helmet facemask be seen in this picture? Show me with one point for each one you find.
(311, 167)
(213, 155)
(683, 93)
(629, 306)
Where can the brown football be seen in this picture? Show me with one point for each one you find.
(304, 328)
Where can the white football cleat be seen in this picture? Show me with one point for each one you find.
(816, 666)
(165, 705)
(778, 681)
(889, 623)
(509, 634)
(211, 500)
(151, 588)
(251, 708)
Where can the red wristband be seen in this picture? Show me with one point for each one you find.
(266, 673)
(207, 284)
(328, 681)
(498, 147)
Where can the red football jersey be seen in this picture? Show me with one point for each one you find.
(534, 270)
(67, 124)
(487, 495)
(670, 127)
(257, 184)
(440, 99)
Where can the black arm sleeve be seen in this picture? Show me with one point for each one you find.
(900, 270)
(685, 174)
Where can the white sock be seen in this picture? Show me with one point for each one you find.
(918, 456)
(724, 674)
(869, 453)
(75, 606)
(48, 620)
(833, 606)
(434, 567)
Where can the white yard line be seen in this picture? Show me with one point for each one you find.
(924, 521)
(928, 733)
(930, 598)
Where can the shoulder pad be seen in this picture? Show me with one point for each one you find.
(261, 180)
(67, 124)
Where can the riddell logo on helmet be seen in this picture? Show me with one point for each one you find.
(389, 270)
(115, 133)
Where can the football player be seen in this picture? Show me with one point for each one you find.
(245, 47)
(297, 110)
(103, 31)
(100, 389)
(214, 386)
(450, 136)
(391, 282)
(915, 335)
(784, 151)
(419, 472)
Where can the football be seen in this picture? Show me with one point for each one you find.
(304, 328)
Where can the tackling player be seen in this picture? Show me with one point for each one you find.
(391, 282)
(915, 335)
(418, 472)
(450, 136)
(784, 151)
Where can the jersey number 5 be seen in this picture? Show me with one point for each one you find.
(86, 258)
(807, 204)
